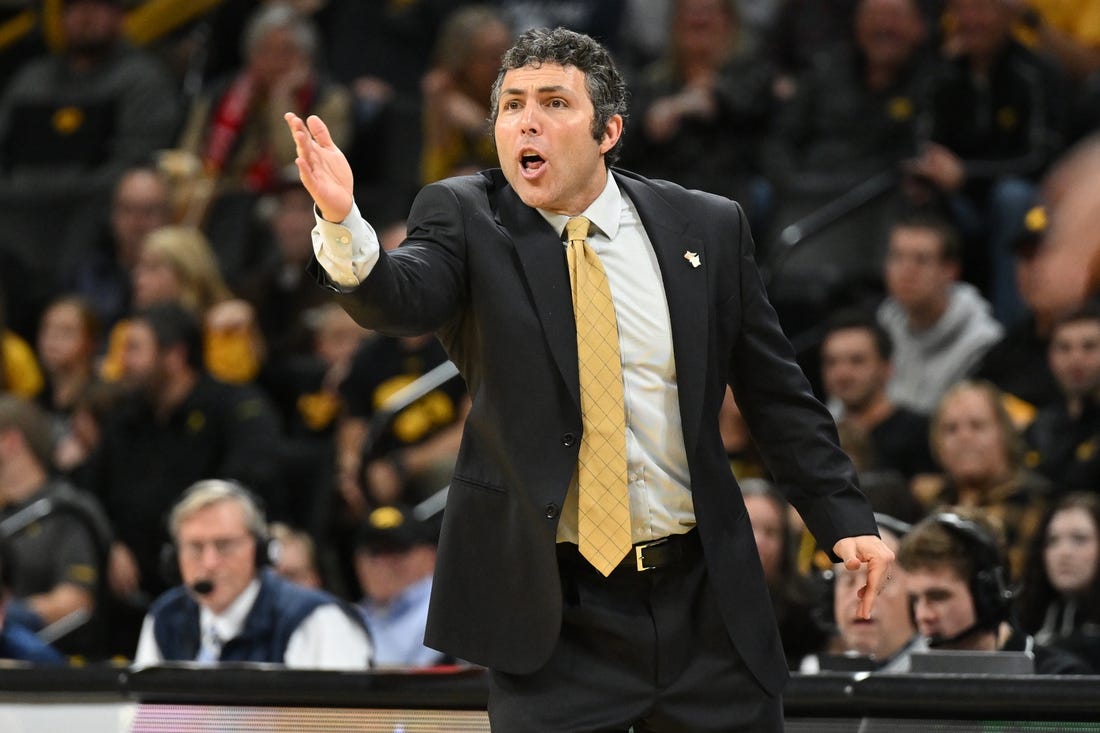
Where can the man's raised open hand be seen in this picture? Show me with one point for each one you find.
(324, 170)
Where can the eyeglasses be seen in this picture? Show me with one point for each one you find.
(919, 259)
(223, 547)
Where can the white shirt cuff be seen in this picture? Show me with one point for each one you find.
(347, 251)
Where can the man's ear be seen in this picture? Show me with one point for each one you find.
(611, 133)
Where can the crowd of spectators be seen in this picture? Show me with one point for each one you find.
(904, 164)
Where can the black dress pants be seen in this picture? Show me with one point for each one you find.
(643, 650)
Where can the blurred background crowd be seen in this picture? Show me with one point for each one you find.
(921, 177)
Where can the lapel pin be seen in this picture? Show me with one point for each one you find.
(692, 257)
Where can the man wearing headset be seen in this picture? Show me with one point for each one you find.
(884, 641)
(230, 607)
(959, 590)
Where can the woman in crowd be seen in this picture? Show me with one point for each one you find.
(456, 93)
(1060, 600)
(68, 342)
(981, 455)
(68, 345)
(793, 595)
(236, 128)
(177, 263)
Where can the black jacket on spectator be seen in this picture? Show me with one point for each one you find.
(1013, 125)
(143, 465)
(1018, 365)
(1064, 448)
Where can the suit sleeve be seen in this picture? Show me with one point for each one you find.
(421, 286)
(794, 432)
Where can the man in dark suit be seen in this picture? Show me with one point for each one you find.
(677, 633)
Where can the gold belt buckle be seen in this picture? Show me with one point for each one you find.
(639, 548)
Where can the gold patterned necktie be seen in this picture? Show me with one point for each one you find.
(603, 516)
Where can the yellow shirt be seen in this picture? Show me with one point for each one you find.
(19, 370)
(1078, 19)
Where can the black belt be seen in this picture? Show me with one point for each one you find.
(660, 553)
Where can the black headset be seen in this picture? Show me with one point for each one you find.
(265, 547)
(989, 585)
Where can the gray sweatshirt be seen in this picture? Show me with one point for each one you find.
(928, 362)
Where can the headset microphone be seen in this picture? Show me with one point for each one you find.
(203, 587)
(937, 641)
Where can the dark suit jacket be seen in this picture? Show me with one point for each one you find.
(488, 274)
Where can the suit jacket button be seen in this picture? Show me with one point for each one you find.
(568, 439)
(551, 511)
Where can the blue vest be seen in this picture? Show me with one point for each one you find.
(279, 609)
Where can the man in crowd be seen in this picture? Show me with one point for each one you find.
(995, 119)
(57, 535)
(889, 636)
(1064, 438)
(394, 561)
(940, 327)
(102, 273)
(230, 607)
(70, 123)
(179, 425)
(17, 642)
(958, 585)
(856, 365)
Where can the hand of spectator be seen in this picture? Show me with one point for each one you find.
(662, 120)
(373, 90)
(69, 452)
(464, 113)
(324, 170)
(697, 99)
(451, 107)
(939, 165)
(384, 481)
(349, 486)
(435, 83)
(869, 549)
(123, 574)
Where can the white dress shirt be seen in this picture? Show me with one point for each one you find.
(657, 471)
(326, 638)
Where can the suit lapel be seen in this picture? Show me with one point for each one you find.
(686, 293)
(542, 256)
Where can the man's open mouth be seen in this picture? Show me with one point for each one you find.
(531, 162)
